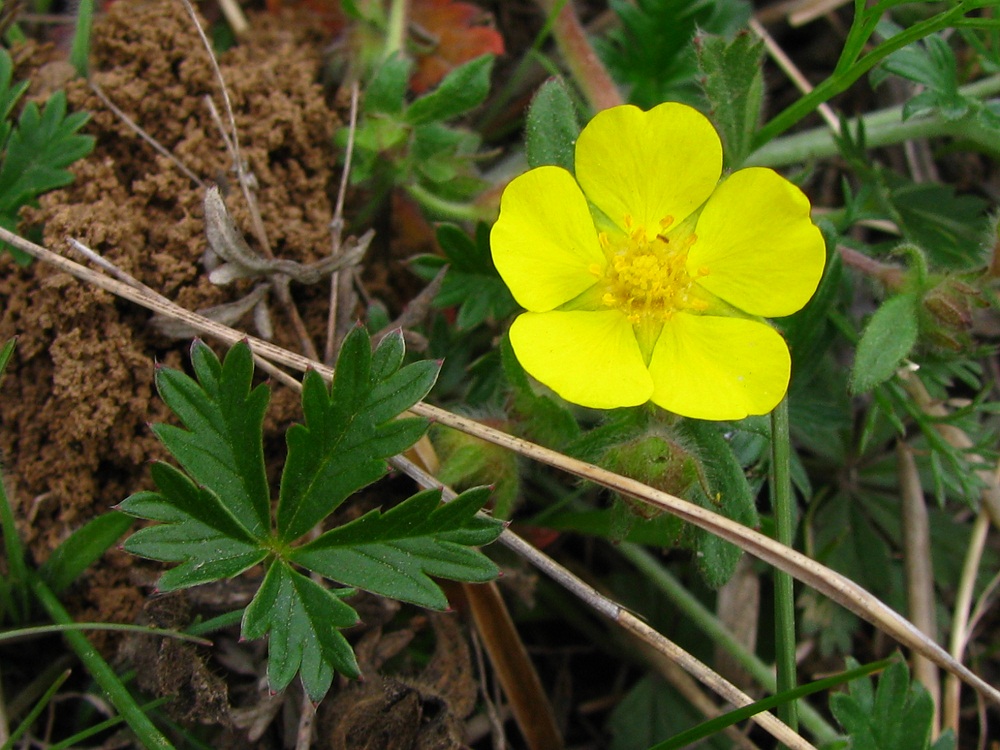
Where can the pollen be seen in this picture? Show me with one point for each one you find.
(647, 277)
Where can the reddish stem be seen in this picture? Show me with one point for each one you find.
(582, 61)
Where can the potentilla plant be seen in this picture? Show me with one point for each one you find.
(217, 520)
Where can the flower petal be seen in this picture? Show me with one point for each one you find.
(544, 243)
(719, 368)
(762, 252)
(588, 358)
(650, 165)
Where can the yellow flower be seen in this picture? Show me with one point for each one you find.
(646, 278)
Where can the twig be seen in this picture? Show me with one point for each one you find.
(157, 146)
(337, 230)
(960, 620)
(279, 284)
(837, 587)
(784, 62)
(307, 715)
(919, 571)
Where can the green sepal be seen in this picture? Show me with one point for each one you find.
(462, 89)
(349, 430)
(733, 83)
(222, 447)
(197, 530)
(888, 338)
(395, 552)
(552, 127)
(303, 621)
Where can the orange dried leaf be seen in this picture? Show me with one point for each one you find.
(457, 32)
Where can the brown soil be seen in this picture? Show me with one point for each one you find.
(79, 394)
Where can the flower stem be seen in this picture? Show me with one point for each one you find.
(444, 208)
(582, 61)
(882, 128)
(784, 594)
(395, 32)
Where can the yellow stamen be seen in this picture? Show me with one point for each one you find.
(648, 279)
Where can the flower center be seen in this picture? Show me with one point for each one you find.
(647, 277)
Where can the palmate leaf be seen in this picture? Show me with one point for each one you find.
(216, 519)
(393, 553)
(39, 149)
(350, 430)
(304, 621)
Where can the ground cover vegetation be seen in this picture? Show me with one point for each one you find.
(439, 374)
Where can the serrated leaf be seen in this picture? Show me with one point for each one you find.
(39, 149)
(302, 620)
(462, 89)
(733, 82)
(395, 552)
(947, 226)
(222, 448)
(890, 335)
(552, 127)
(899, 717)
(348, 433)
(197, 530)
(931, 63)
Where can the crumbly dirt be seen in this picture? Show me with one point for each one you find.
(79, 395)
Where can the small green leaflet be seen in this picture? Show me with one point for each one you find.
(896, 716)
(890, 335)
(472, 283)
(216, 518)
(37, 150)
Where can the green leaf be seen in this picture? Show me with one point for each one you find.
(197, 530)
(651, 54)
(930, 63)
(471, 282)
(552, 127)
(349, 430)
(462, 89)
(733, 82)
(83, 548)
(39, 149)
(222, 448)
(9, 95)
(395, 552)
(80, 51)
(5, 353)
(303, 620)
(898, 718)
(386, 92)
(888, 338)
(948, 226)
